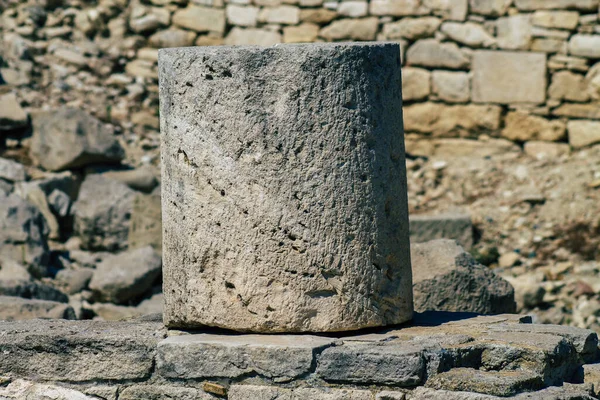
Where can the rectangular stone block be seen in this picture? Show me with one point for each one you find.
(457, 226)
(81, 351)
(251, 392)
(506, 77)
(284, 188)
(231, 356)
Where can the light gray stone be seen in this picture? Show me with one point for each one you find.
(412, 28)
(416, 83)
(456, 226)
(145, 228)
(103, 212)
(469, 33)
(252, 36)
(283, 14)
(585, 45)
(200, 19)
(396, 363)
(12, 116)
(160, 392)
(514, 32)
(21, 389)
(251, 392)
(172, 38)
(556, 19)
(16, 308)
(141, 179)
(12, 171)
(508, 77)
(583, 133)
(493, 8)
(532, 5)
(272, 224)
(125, 276)
(231, 356)
(446, 278)
(241, 15)
(70, 138)
(451, 87)
(433, 54)
(74, 280)
(78, 351)
(397, 8)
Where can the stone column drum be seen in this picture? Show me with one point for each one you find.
(284, 188)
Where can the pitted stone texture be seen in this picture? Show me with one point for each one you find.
(456, 226)
(160, 392)
(78, 351)
(278, 357)
(565, 392)
(21, 389)
(16, 308)
(279, 217)
(252, 392)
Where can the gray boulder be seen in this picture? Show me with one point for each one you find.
(74, 280)
(102, 213)
(123, 277)
(16, 308)
(446, 278)
(71, 138)
(23, 233)
(12, 116)
(11, 170)
(454, 225)
(146, 222)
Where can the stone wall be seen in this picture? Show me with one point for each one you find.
(517, 69)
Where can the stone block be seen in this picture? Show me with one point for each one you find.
(412, 28)
(231, 356)
(306, 32)
(492, 8)
(252, 392)
(397, 8)
(274, 194)
(469, 34)
(456, 226)
(585, 46)
(16, 308)
(21, 389)
(450, 86)
(583, 133)
(514, 32)
(241, 16)
(12, 116)
(200, 19)
(546, 150)
(416, 83)
(532, 5)
(520, 126)
(252, 36)
(556, 19)
(508, 77)
(78, 351)
(433, 54)
(353, 29)
(161, 392)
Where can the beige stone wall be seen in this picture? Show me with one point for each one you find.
(515, 69)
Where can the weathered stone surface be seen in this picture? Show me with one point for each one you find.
(353, 8)
(588, 111)
(21, 389)
(569, 86)
(508, 77)
(450, 86)
(455, 226)
(389, 395)
(416, 83)
(283, 14)
(12, 116)
(564, 392)
(556, 19)
(306, 32)
(125, 276)
(397, 8)
(282, 357)
(443, 120)
(514, 32)
(412, 28)
(200, 19)
(251, 36)
(160, 392)
(102, 213)
(446, 278)
(531, 5)
(16, 308)
(273, 237)
(241, 16)
(431, 53)
(546, 150)
(71, 138)
(548, 45)
(172, 38)
(19, 286)
(145, 228)
(503, 384)
(520, 126)
(74, 280)
(469, 33)
(62, 351)
(493, 8)
(23, 233)
(60, 203)
(12, 171)
(397, 364)
(32, 193)
(251, 392)
(585, 46)
(583, 133)
(354, 29)
(141, 179)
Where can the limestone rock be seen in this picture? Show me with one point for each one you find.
(443, 120)
(119, 350)
(172, 38)
(241, 16)
(125, 276)
(141, 179)
(141, 68)
(23, 233)
(585, 45)
(572, 110)
(12, 171)
(446, 278)
(60, 203)
(103, 212)
(592, 79)
(454, 10)
(16, 308)
(232, 215)
(74, 280)
(284, 14)
(145, 228)
(160, 392)
(412, 28)
(306, 32)
(32, 193)
(556, 19)
(514, 32)
(71, 138)
(200, 19)
(397, 8)
(569, 86)
(583, 133)
(493, 8)
(21, 389)
(450, 86)
(416, 83)
(281, 357)
(354, 29)
(433, 54)
(520, 126)
(545, 150)
(532, 5)
(251, 392)
(317, 16)
(549, 45)
(353, 8)
(251, 36)
(469, 33)
(455, 226)
(508, 77)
